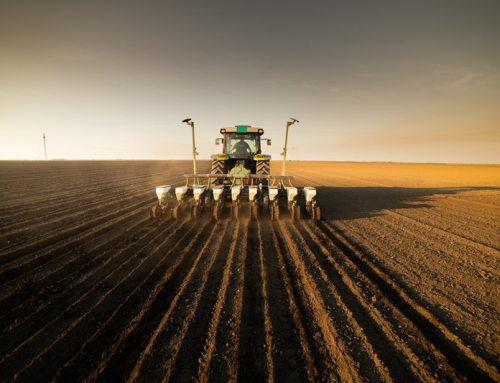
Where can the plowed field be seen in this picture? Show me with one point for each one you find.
(399, 281)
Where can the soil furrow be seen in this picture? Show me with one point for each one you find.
(187, 312)
(146, 300)
(215, 321)
(390, 336)
(308, 354)
(290, 354)
(68, 259)
(84, 297)
(92, 311)
(463, 359)
(65, 234)
(179, 356)
(335, 359)
(398, 282)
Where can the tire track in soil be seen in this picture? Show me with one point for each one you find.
(435, 338)
(48, 324)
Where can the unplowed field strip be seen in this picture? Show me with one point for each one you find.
(93, 290)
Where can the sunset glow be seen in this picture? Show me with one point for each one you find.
(369, 81)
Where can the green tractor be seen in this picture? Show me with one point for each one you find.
(241, 145)
(240, 175)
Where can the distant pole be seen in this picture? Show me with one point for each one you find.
(45, 147)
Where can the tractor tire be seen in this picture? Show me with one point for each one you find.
(263, 168)
(218, 167)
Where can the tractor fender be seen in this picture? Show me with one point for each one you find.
(262, 157)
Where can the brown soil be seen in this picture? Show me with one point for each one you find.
(399, 281)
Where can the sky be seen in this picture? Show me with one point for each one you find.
(372, 80)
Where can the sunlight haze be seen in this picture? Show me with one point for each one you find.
(368, 80)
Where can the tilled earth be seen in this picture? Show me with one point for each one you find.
(399, 281)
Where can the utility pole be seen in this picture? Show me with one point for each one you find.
(45, 147)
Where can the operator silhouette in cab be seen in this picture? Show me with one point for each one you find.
(241, 147)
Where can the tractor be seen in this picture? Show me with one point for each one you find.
(240, 175)
(241, 144)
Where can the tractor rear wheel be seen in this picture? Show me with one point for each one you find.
(218, 167)
(263, 169)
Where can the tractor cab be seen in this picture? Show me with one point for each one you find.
(241, 142)
(242, 145)
(240, 174)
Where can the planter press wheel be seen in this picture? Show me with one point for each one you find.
(155, 212)
(176, 212)
(316, 213)
(295, 212)
(195, 212)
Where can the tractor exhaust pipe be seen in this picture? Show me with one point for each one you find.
(288, 123)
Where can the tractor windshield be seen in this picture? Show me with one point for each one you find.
(242, 143)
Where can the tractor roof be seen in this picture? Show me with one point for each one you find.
(242, 129)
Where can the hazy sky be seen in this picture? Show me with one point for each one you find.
(368, 80)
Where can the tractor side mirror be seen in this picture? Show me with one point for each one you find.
(268, 142)
(218, 141)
